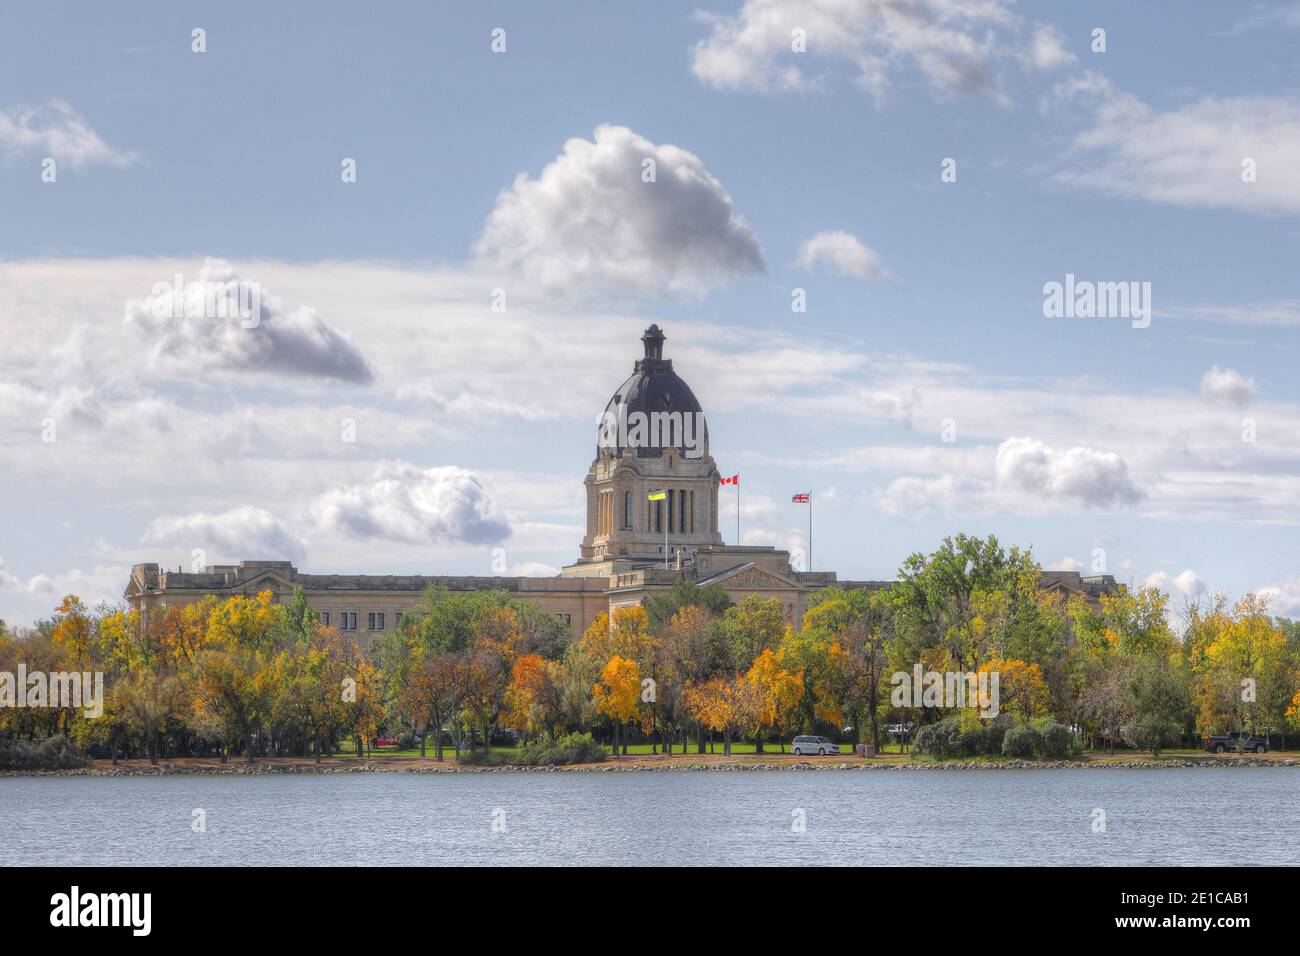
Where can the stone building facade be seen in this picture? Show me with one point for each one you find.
(652, 519)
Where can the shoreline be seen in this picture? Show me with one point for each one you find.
(270, 766)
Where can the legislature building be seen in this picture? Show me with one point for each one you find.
(652, 519)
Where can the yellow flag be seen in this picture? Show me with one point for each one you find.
(657, 496)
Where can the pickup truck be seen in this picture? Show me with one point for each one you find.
(1236, 741)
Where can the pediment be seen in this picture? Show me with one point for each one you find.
(266, 581)
(750, 577)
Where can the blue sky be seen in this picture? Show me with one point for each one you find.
(925, 298)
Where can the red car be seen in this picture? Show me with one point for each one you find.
(385, 741)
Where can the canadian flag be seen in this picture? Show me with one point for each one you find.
(733, 480)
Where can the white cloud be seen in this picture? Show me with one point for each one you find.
(911, 496)
(56, 130)
(1093, 478)
(243, 532)
(1283, 599)
(1261, 17)
(533, 569)
(1047, 49)
(1191, 155)
(842, 252)
(220, 322)
(467, 404)
(954, 44)
(1187, 587)
(589, 223)
(26, 600)
(1228, 385)
(1278, 313)
(403, 502)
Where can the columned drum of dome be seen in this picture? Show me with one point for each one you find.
(651, 436)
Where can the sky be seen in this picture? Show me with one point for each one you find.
(453, 221)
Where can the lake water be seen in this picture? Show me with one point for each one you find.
(1029, 817)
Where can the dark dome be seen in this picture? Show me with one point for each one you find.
(655, 387)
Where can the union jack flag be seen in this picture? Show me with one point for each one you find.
(801, 499)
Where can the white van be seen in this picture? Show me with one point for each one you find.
(814, 745)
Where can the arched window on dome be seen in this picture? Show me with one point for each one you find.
(627, 511)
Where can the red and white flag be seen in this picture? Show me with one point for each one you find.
(800, 499)
(733, 480)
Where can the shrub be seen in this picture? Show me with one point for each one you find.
(1022, 741)
(995, 732)
(970, 739)
(942, 739)
(407, 741)
(483, 757)
(964, 736)
(571, 748)
(53, 753)
(544, 752)
(1057, 739)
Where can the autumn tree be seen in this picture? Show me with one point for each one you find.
(725, 705)
(618, 693)
(753, 626)
(777, 694)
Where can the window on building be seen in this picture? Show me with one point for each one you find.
(398, 621)
(681, 511)
(566, 618)
(627, 510)
(375, 621)
(325, 618)
(347, 620)
(670, 510)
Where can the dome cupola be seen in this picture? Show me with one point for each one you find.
(654, 410)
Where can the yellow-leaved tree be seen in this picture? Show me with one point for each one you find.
(618, 693)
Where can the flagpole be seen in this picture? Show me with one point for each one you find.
(810, 566)
(737, 512)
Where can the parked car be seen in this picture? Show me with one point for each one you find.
(1236, 741)
(385, 741)
(814, 745)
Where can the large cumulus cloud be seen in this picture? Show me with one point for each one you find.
(220, 322)
(243, 532)
(402, 502)
(590, 224)
(1093, 478)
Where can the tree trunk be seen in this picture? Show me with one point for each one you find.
(316, 745)
(726, 743)
(615, 739)
(699, 738)
(249, 756)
